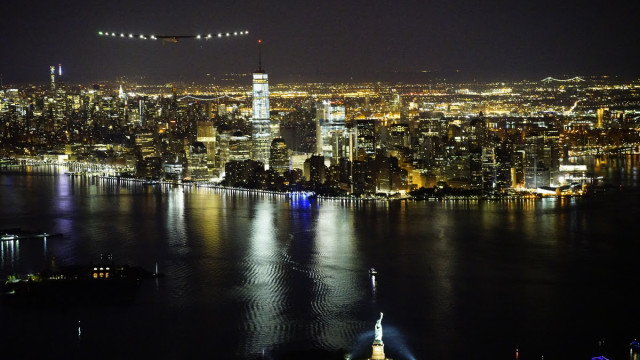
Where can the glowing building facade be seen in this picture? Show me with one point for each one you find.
(279, 157)
(52, 75)
(330, 130)
(260, 121)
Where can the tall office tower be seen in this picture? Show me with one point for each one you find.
(476, 134)
(399, 136)
(603, 118)
(57, 101)
(366, 141)
(489, 169)
(145, 144)
(599, 118)
(60, 103)
(52, 72)
(279, 158)
(207, 136)
(121, 94)
(319, 139)
(330, 130)
(314, 170)
(551, 153)
(239, 146)
(352, 146)
(260, 121)
(536, 171)
(196, 154)
(275, 126)
(141, 107)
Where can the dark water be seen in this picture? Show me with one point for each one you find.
(253, 276)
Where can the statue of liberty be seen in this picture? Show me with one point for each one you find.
(377, 351)
(378, 330)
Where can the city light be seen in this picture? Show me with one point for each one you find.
(453, 131)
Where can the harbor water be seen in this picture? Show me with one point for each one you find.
(256, 275)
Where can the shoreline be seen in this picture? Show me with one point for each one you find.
(109, 173)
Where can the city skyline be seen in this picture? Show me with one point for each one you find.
(362, 139)
(315, 42)
(481, 157)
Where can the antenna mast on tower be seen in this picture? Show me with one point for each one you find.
(260, 70)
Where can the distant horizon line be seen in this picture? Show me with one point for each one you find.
(420, 77)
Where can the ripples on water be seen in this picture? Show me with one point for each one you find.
(253, 274)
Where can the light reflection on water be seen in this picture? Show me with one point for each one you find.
(264, 283)
(337, 271)
(9, 254)
(252, 272)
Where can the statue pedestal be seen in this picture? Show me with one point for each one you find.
(378, 351)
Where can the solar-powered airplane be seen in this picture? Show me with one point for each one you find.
(173, 38)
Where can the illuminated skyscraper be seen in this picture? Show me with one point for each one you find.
(207, 136)
(56, 101)
(603, 117)
(366, 137)
(279, 158)
(52, 71)
(260, 121)
(399, 135)
(239, 147)
(145, 144)
(330, 131)
(196, 154)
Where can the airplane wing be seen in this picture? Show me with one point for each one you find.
(172, 38)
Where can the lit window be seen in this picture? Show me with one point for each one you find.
(95, 275)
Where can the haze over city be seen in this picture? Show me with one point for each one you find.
(321, 41)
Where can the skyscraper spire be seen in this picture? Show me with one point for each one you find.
(260, 69)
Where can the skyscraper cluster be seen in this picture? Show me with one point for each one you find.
(329, 138)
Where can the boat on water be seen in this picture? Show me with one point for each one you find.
(19, 234)
(373, 272)
(99, 282)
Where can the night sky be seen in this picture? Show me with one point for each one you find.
(312, 41)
